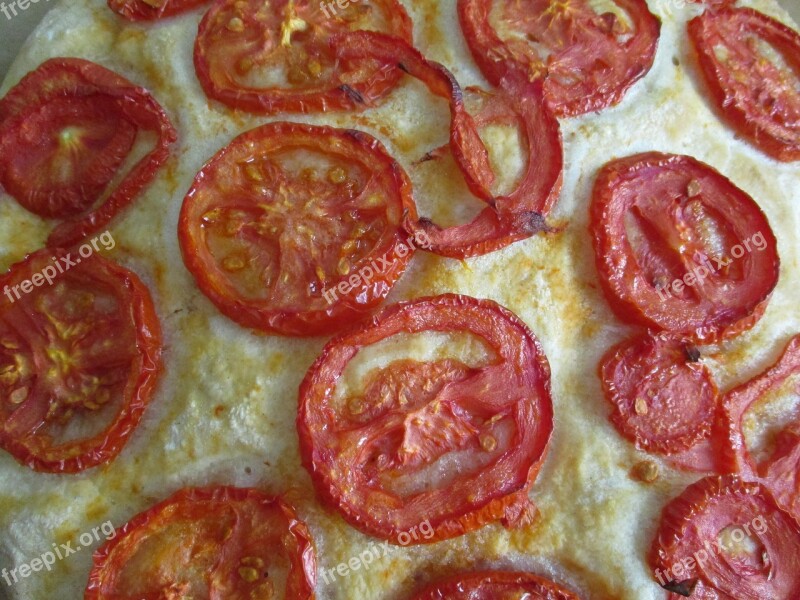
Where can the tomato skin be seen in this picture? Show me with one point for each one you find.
(302, 577)
(139, 10)
(34, 450)
(498, 59)
(60, 78)
(780, 140)
(316, 317)
(506, 219)
(353, 91)
(466, 504)
(692, 522)
(487, 585)
(716, 314)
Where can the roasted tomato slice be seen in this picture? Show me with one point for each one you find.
(507, 218)
(493, 585)
(80, 354)
(664, 400)
(276, 57)
(751, 63)
(781, 472)
(679, 247)
(65, 131)
(216, 542)
(589, 60)
(151, 10)
(727, 539)
(297, 229)
(441, 440)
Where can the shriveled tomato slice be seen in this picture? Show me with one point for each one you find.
(588, 60)
(151, 10)
(751, 63)
(276, 57)
(65, 131)
(664, 400)
(727, 539)
(80, 354)
(297, 229)
(438, 441)
(494, 585)
(215, 542)
(679, 247)
(508, 218)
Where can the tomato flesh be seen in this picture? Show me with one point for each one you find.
(588, 60)
(79, 360)
(296, 229)
(215, 543)
(751, 63)
(378, 456)
(277, 57)
(152, 10)
(679, 248)
(492, 585)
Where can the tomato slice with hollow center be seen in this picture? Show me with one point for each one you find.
(277, 57)
(494, 585)
(588, 60)
(751, 63)
(780, 471)
(80, 355)
(297, 229)
(727, 539)
(678, 247)
(438, 440)
(65, 131)
(215, 543)
(664, 400)
(152, 10)
(508, 218)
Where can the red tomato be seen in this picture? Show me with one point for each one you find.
(152, 10)
(80, 355)
(297, 229)
(664, 399)
(588, 60)
(679, 247)
(506, 219)
(216, 542)
(276, 57)
(65, 130)
(780, 472)
(727, 539)
(439, 441)
(493, 585)
(751, 64)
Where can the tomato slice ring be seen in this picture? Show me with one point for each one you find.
(663, 399)
(697, 543)
(674, 271)
(278, 248)
(65, 130)
(373, 458)
(490, 585)
(79, 360)
(152, 10)
(591, 60)
(239, 40)
(509, 218)
(216, 542)
(756, 96)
